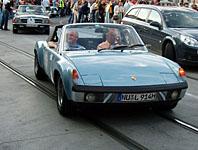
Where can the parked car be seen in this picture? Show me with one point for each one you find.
(123, 73)
(173, 31)
(31, 17)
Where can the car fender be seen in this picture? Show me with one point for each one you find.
(64, 71)
(38, 50)
(168, 38)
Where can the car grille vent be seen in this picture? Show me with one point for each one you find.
(38, 20)
(24, 20)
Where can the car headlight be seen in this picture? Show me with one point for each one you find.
(189, 41)
(16, 20)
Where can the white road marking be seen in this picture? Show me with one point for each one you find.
(186, 125)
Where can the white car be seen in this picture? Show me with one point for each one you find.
(31, 17)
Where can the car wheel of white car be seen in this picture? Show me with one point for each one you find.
(47, 30)
(38, 71)
(64, 106)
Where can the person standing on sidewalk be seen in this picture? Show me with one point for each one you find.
(1, 11)
(6, 10)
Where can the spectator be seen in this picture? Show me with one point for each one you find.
(101, 11)
(155, 2)
(118, 12)
(109, 12)
(94, 11)
(1, 11)
(76, 8)
(46, 4)
(5, 17)
(129, 3)
(61, 7)
(83, 12)
(71, 15)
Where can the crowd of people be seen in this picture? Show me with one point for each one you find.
(102, 11)
(106, 11)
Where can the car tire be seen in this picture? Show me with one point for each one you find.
(38, 71)
(47, 31)
(65, 106)
(166, 107)
(169, 51)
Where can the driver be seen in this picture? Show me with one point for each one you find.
(111, 40)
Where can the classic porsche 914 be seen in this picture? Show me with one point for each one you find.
(106, 63)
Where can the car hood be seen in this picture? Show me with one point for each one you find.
(193, 32)
(122, 69)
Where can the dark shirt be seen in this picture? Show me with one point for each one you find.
(8, 6)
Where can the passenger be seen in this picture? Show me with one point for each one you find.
(112, 39)
(71, 40)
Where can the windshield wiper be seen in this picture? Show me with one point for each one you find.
(118, 47)
(102, 49)
(127, 46)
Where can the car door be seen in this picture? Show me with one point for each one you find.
(48, 55)
(156, 30)
(142, 25)
(136, 17)
(51, 55)
(130, 17)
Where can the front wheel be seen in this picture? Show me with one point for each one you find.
(38, 71)
(47, 30)
(166, 107)
(169, 52)
(65, 107)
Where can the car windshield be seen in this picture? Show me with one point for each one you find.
(31, 9)
(181, 19)
(100, 37)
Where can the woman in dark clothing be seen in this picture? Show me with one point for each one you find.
(83, 12)
(6, 11)
(101, 12)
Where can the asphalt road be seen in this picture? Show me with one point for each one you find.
(29, 119)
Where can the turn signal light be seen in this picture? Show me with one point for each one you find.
(182, 72)
(75, 74)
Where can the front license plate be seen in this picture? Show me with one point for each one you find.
(31, 25)
(138, 97)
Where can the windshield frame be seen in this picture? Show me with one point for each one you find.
(174, 18)
(32, 11)
(96, 26)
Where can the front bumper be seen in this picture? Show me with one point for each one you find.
(32, 26)
(187, 55)
(110, 94)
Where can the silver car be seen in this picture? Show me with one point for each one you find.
(31, 17)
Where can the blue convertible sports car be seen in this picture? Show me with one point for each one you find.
(106, 63)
